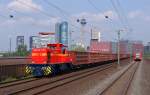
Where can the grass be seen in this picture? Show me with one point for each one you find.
(146, 56)
(9, 79)
(12, 79)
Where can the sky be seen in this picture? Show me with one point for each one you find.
(33, 16)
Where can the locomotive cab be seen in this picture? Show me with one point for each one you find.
(58, 54)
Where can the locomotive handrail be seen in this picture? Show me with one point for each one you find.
(3, 58)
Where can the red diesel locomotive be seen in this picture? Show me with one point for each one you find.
(55, 58)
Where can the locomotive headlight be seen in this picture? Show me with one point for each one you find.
(34, 54)
(45, 62)
(44, 54)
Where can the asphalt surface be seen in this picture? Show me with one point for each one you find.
(141, 82)
(85, 85)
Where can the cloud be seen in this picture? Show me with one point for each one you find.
(138, 15)
(30, 21)
(46, 22)
(135, 14)
(95, 17)
(24, 5)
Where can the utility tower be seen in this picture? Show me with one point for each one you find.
(83, 23)
(119, 32)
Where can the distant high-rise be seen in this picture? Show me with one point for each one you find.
(19, 41)
(148, 44)
(33, 41)
(61, 34)
(95, 35)
(57, 32)
(46, 38)
(64, 33)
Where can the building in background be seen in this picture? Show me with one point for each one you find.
(21, 47)
(147, 48)
(33, 42)
(19, 41)
(45, 38)
(64, 33)
(95, 35)
(61, 32)
(57, 32)
(148, 44)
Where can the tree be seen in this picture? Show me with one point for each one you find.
(78, 48)
(22, 50)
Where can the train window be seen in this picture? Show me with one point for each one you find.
(64, 51)
(52, 47)
(48, 56)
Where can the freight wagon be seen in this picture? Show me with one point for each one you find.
(55, 59)
(110, 47)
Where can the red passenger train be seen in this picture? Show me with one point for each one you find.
(137, 56)
(55, 58)
(137, 51)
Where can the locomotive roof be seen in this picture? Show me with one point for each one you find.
(60, 44)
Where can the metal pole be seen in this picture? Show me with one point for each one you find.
(130, 52)
(70, 40)
(118, 47)
(10, 44)
(82, 34)
(9, 51)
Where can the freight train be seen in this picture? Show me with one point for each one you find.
(55, 58)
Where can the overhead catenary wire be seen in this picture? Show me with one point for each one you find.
(23, 14)
(102, 13)
(122, 20)
(128, 27)
(39, 10)
(118, 13)
(3, 16)
(36, 9)
(56, 7)
(47, 14)
(123, 14)
(63, 12)
(92, 4)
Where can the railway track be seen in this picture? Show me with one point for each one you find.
(4, 58)
(5, 61)
(42, 85)
(17, 82)
(122, 83)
